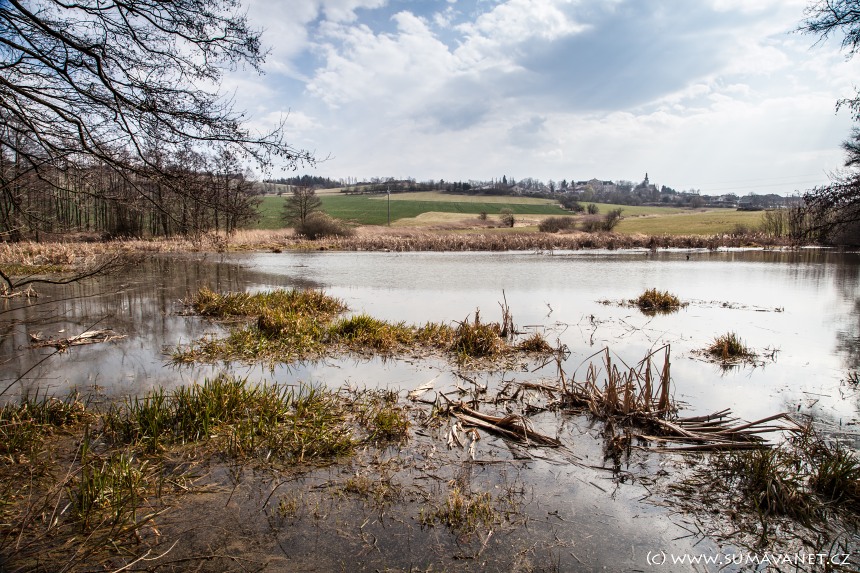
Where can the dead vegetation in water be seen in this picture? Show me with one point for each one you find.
(285, 326)
(806, 489)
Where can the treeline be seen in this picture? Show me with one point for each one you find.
(567, 192)
(185, 194)
(312, 181)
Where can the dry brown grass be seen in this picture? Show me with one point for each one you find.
(76, 253)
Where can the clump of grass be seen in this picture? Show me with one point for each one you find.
(730, 348)
(364, 331)
(23, 426)
(536, 343)
(770, 481)
(805, 478)
(478, 340)
(281, 302)
(463, 512)
(653, 300)
(380, 415)
(295, 424)
(836, 476)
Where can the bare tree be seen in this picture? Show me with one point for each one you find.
(299, 205)
(833, 210)
(826, 18)
(92, 83)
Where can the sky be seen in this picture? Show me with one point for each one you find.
(721, 96)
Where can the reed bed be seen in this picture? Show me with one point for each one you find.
(65, 252)
(427, 241)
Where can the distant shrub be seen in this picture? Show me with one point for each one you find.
(606, 223)
(555, 224)
(571, 203)
(740, 230)
(593, 209)
(508, 219)
(611, 219)
(318, 225)
(482, 215)
(591, 224)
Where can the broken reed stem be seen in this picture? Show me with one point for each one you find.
(629, 392)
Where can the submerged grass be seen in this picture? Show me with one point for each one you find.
(463, 512)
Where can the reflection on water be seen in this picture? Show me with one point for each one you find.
(805, 304)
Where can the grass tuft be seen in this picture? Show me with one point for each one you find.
(281, 301)
(536, 343)
(464, 512)
(729, 348)
(478, 340)
(768, 481)
(653, 300)
(23, 426)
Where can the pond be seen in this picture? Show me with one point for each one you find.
(799, 310)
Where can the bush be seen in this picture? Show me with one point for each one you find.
(593, 209)
(482, 215)
(606, 223)
(319, 225)
(611, 219)
(591, 224)
(507, 217)
(571, 203)
(555, 224)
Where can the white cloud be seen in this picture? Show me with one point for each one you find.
(344, 10)
(554, 89)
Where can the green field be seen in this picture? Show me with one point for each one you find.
(717, 221)
(373, 210)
